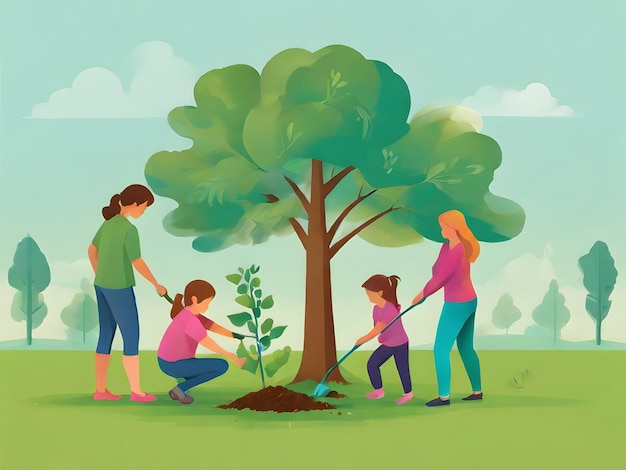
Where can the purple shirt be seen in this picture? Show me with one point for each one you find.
(452, 272)
(181, 338)
(395, 334)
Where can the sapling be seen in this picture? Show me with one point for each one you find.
(263, 332)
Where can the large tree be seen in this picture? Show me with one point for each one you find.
(320, 141)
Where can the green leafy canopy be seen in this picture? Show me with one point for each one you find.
(253, 134)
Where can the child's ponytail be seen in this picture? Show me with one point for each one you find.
(392, 295)
(177, 306)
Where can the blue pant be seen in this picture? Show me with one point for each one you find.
(117, 307)
(456, 323)
(195, 370)
(381, 355)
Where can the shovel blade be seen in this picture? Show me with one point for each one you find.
(321, 390)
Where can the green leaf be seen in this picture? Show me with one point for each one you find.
(241, 350)
(239, 319)
(253, 349)
(277, 332)
(251, 326)
(341, 84)
(240, 270)
(266, 341)
(267, 326)
(245, 300)
(336, 78)
(234, 278)
(242, 289)
(258, 293)
(268, 302)
(273, 362)
(250, 365)
(290, 132)
(255, 282)
(256, 311)
(247, 275)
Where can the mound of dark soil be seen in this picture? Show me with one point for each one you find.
(279, 399)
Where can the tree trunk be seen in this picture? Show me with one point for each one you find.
(29, 302)
(319, 351)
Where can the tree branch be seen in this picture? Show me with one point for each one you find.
(335, 180)
(333, 229)
(296, 189)
(302, 235)
(337, 246)
(297, 227)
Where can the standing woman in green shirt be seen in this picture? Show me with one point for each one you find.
(113, 254)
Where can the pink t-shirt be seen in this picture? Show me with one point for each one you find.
(395, 334)
(452, 272)
(181, 338)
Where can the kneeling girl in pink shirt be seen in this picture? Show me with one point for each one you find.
(177, 350)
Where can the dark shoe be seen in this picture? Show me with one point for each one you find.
(178, 395)
(438, 402)
(474, 396)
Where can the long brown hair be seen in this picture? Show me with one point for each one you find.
(199, 289)
(387, 284)
(135, 193)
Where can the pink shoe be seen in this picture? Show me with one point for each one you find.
(106, 395)
(376, 394)
(405, 398)
(145, 398)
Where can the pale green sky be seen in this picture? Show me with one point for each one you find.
(56, 174)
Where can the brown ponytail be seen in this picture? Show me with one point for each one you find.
(133, 194)
(177, 306)
(199, 289)
(387, 284)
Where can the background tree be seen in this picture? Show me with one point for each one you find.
(552, 313)
(82, 312)
(505, 313)
(30, 275)
(317, 142)
(599, 276)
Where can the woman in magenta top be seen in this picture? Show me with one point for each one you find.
(452, 272)
(177, 350)
(381, 290)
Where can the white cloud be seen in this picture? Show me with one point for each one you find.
(533, 101)
(161, 81)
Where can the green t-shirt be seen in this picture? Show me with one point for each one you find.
(117, 242)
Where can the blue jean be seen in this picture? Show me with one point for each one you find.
(195, 370)
(117, 307)
(456, 323)
(381, 355)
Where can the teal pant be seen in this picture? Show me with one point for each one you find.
(456, 323)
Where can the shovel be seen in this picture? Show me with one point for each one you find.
(322, 390)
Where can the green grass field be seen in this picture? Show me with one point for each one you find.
(566, 411)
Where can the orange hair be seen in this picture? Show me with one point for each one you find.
(456, 220)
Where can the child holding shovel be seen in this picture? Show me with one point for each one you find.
(177, 350)
(381, 291)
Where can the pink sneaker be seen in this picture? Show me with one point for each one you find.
(376, 394)
(106, 395)
(405, 398)
(145, 398)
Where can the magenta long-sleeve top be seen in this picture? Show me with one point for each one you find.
(452, 272)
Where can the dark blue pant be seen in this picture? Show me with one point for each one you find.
(381, 355)
(117, 307)
(195, 371)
